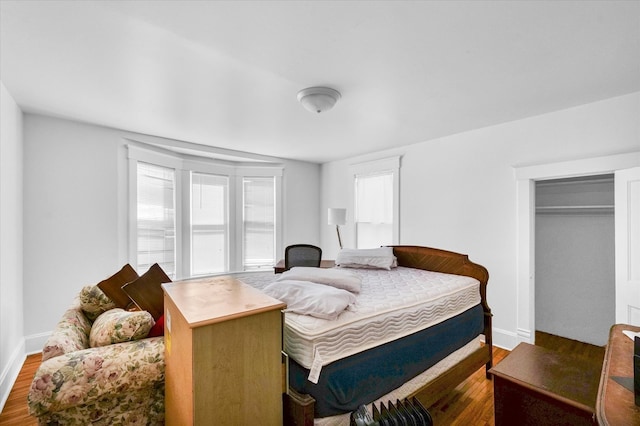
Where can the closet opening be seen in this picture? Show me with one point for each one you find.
(574, 257)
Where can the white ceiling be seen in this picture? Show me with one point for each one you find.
(226, 73)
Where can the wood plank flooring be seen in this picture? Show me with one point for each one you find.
(471, 403)
(15, 411)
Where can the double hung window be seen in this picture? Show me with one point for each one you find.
(209, 230)
(376, 203)
(156, 226)
(258, 222)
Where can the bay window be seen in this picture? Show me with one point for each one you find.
(199, 216)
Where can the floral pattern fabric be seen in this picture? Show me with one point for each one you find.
(142, 407)
(70, 335)
(118, 325)
(92, 383)
(94, 302)
(116, 384)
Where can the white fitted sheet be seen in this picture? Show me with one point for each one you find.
(391, 304)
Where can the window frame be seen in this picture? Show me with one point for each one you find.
(183, 165)
(136, 212)
(188, 228)
(373, 168)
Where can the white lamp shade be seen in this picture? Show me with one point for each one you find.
(337, 216)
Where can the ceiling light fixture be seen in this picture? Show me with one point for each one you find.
(318, 99)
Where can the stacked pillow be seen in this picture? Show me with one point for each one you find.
(326, 293)
(377, 258)
(309, 298)
(125, 306)
(112, 286)
(321, 293)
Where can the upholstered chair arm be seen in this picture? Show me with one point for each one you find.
(84, 376)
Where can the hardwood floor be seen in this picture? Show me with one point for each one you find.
(471, 403)
(561, 344)
(15, 411)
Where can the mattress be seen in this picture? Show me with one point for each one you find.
(392, 304)
(365, 376)
(411, 386)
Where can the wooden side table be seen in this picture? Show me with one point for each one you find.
(616, 404)
(279, 268)
(538, 386)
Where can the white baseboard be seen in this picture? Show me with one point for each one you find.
(526, 336)
(10, 373)
(35, 342)
(505, 339)
(28, 345)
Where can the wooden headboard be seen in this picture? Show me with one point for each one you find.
(448, 262)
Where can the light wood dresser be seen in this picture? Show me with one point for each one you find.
(223, 342)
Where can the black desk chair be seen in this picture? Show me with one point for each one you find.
(302, 255)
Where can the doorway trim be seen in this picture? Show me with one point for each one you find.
(526, 176)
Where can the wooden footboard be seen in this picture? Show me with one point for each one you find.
(449, 262)
(430, 393)
(299, 409)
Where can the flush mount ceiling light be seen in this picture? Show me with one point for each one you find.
(318, 99)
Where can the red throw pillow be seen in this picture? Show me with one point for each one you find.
(158, 328)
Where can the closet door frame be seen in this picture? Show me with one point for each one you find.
(526, 176)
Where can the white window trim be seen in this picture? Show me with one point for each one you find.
(183, 164)
(383, 165)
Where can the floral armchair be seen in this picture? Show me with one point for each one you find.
(99, 367)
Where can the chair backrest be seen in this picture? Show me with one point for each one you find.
(302, 255)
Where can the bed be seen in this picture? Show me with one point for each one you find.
(430, 331)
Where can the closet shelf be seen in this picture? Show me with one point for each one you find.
(589, 209)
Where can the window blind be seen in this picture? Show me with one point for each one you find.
(209, 223)
(259, 238)
(156, 217)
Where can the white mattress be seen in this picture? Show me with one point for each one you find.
(391, 304)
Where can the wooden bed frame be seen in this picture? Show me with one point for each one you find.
(299, 408)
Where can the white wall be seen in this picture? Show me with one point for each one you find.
(75, 212)
(301, 197)
(459, 192)
(12, 349)
(574, 258)
(575, 276)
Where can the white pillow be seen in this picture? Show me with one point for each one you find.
(307, 298)
(380, 258)
(345, 280)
